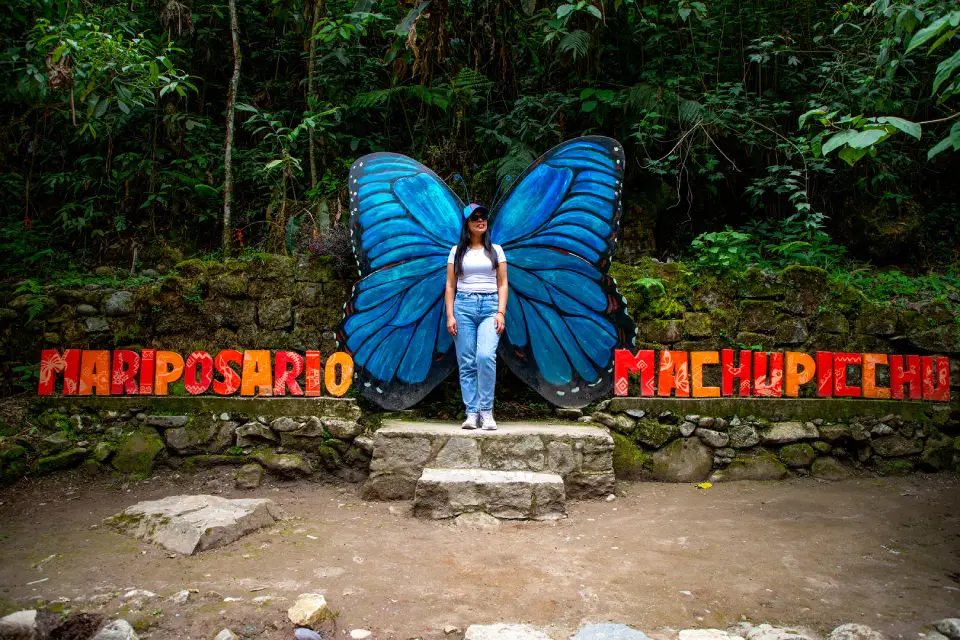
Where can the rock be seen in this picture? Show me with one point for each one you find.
(190, 439)
(117, 630)
(86, 310)
(568, 414)
(180, 597)
(895, 446)
(253, 434)
(762, 466)
(855, 632)
(342, 429)
(949, 627)
(150, 273)
(360, 634)
(859, 432)
(54, 443)
(459, 453)
(284, 424)
(306, 634)
(189, 524)
(285, 464)
(687, 428)
(720, 424)
(275, 313)
(608, 631)
(21, 625)
(102, 452)
(654, 434)
(713, 438)
(138, 451)
(829, 469)
(797, 455)
(310, 610)
(742, 436)
(706, 634)
(636, 413)
(249, 476)
(668, 417)
(939, 453)
(822, 447)
(697, 325)
(706, 422)
(64, 460)
(226, 634)
(477, 520)
(97, 324)
(502, 631)
(167, 422)
(881, 430)
(726, 453)
(224, 417)
(119, 304)
(364, 443)
(791, 331)
(683, 460)
(789, 432)
(767, 632)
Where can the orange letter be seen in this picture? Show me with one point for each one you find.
(800, 370)
(900, 376)
(169, 369)
(95, 373)
(941, 391)
(231, 379)
(870, 388)
(673, 374)
(625, 363)
(256, 373)
(697, 360)
(346, 373)
(840, 362)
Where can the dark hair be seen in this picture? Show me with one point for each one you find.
(464, 244)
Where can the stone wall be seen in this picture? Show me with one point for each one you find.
(674, 440)
(290, 438)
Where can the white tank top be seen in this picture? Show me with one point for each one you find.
(479, 276)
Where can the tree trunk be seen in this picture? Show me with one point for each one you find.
(231, 109)
(311, 65)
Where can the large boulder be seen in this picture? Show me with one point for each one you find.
(63, 460)
(138, 451)
(829, 469)
(797, 455)
(285, 464)
(683, 460)
(502, 631)
(189, 524)
(763, 466)
(655, 434)
(191, 438)
(855, 631)
(896, 446)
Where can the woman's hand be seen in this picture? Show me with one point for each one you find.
(452, 326)
(498, 322)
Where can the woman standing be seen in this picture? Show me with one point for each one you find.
(476, 299)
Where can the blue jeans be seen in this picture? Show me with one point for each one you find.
(476, 342)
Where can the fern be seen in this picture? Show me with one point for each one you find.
(645, 97)
(519, 157)
(373, 98)
(471, 80)
(577, 42)
(691, 112)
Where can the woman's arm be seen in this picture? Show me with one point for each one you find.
(502, 293)
(448, 298)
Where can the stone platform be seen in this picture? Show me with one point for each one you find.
(582, 456)
(511, 495)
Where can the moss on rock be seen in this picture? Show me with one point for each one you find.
(138, 451)
(653, 433)
(629, 461)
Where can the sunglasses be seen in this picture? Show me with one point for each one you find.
(477, 217)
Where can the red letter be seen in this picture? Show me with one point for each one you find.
(941, 391)
(313, 377)
(287, 365)
(625, 363)
(126, 364)
(772, 385)
(729, 373)
(95, 373)
(900, 376)
(840, 362)
(825, 374)
(52, 363)
(190, 381)
(673, 374)
(147, 368)
(231, 379)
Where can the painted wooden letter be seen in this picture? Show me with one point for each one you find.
(825, 374)
(936, 385)
(287, 366)
(900, 375)
(345, 363)
(193, 383)
(768, 385)
(169, 370)
(95, 373)
(840, 363)
(313, 377)
(256, 374)
(148, 362)
(870, 388)
(626, 363)
(126, 364)
(673, 374)
(52, 363)
(231, 379)
(800, 370)
(729, 373)
(697, 360)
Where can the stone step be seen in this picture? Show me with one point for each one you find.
(512, 495)
(582, 455)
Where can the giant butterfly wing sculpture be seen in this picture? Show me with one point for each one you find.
(557, 227)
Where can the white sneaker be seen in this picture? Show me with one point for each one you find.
(489, 424)
(472, 422)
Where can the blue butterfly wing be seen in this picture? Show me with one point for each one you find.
(403, 221)
(558, 227)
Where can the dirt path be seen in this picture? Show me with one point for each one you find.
(882, 552)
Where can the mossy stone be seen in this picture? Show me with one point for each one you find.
(138, 451)
(697, 325)
(758, 316)
(270, 267)
(655, 434)
(315, 269)
(808, 288)
(893, 467)
(229, 286)
(829, 469)
(763, 466)
(191, 268)
(797, 455)
(664, 331)
(628, 459)
(832, 322)
(757, 283)
(64, 460)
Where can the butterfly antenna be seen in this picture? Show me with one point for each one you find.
(505, 180)
(457, 176)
